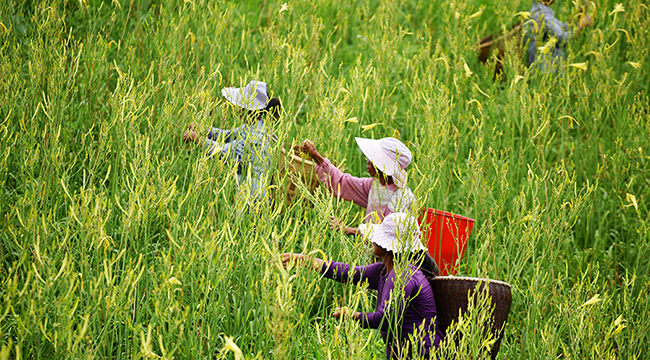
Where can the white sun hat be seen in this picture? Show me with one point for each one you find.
(389, 155)
(399, 232)
(252, 96)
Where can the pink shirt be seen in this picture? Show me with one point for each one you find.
(368, 193)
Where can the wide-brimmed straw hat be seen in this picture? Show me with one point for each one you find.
(399, 232)
(251, 97)
(389, 155)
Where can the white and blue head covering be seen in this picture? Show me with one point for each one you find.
(250, 97)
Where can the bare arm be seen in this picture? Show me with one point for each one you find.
(336, 224)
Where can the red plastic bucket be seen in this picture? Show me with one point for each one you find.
(447, 234)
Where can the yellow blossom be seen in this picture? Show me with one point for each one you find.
(617, 9)
(230, 345)
(468, 72)
(476, 14)
(636, 65)
(524, 14)
(550, 44)
(581, 66)
(620, 325)
(592, 301)
(632, 199)
(368, 127)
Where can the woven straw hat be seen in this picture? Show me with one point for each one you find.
(399, 232)
(251, 97)
(389, 155)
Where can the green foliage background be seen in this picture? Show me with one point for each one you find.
(118, 240)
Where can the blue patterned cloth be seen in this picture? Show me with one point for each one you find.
(248, 147)
(540, 28)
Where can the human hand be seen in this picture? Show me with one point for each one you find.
(335, 224)
(301, 259)
(344, 312)
(308, 147)
(291, 257)
(352, 231)
(191, 136)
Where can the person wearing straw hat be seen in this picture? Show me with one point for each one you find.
(407, 318)
(384, 193)
(248, 145)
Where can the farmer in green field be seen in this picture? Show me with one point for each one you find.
(248, 145)
(407, 318)
(549, 32)
(545, 38)
(384, 193)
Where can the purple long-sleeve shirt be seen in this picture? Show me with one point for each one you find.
(368, 193)
(417, 292)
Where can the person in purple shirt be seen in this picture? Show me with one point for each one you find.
(406, 311)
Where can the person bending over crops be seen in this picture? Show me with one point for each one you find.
(545, 38)
(247, 145)
(382, 194)
(406, 317)
(552, 34)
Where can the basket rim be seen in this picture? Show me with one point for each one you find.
(471, 279)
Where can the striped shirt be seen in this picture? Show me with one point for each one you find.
(248, 147)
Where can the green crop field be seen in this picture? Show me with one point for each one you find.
(119, 240)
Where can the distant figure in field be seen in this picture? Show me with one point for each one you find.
(406, 317)
(545, 39)
(547, 35)
(382, 194)
(247, 145)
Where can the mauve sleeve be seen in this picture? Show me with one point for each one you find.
(341, 273)
(344, 186)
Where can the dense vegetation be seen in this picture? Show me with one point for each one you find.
(119, 240)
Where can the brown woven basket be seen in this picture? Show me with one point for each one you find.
(301, 168)
(451, 295)
(486, 44)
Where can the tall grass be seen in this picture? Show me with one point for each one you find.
(118, 240)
